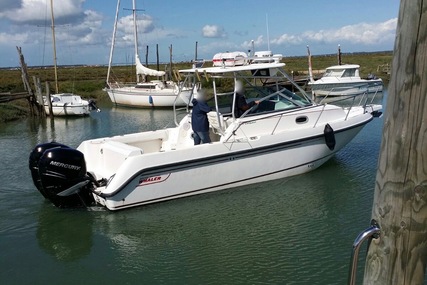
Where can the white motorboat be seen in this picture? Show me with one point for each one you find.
(345, 80)
(284, 134)
(67, 104)
(155, 93)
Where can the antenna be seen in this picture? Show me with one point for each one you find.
(268, 33)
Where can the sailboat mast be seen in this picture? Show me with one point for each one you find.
(54, 47)
(135, 33)
(113, 40)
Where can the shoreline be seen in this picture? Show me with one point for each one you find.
(88, 81)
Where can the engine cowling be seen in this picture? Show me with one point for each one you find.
(61, 168)
(34, 159)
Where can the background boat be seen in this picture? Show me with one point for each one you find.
(65, 104)
(344, 80)
(143, 93)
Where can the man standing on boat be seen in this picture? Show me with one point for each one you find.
(199, 119)
(241, 105)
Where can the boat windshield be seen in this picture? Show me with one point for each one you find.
(276, 100)
(351, 72)
(333, 73)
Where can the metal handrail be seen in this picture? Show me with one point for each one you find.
(368, 234)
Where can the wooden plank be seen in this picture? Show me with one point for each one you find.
(399, 256)
(8, 97)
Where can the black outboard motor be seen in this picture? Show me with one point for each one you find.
(35, 156)
(60, 175)
(93, 106)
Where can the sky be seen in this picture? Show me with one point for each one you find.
(84, 28)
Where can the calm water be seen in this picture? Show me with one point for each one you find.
(297, 230)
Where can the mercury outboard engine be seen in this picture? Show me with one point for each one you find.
(35, 156)
(59, 173)
(93, 106)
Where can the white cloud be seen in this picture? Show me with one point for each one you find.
(213, 31)
(209, 49)
(257, 43)
(88, 31)
(38, 11)
(145, 25)
(362, 33)
(287, 39)
(13, 38)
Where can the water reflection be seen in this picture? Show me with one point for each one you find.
(64, 234)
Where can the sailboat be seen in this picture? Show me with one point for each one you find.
(65, 104)
(154, 93)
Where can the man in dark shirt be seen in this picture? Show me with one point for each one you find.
(199, 119)
(241, 105)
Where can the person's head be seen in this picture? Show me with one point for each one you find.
(239, 86)
(200, 95)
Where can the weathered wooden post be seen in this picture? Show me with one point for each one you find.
(39, 96)
(32, 102)
(146, 57)
(170, 62)
(49, 100)
(399, 256)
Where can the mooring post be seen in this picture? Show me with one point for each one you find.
(32, 102)
(39, 95)
(170, 62)
(49, 101)
(399, 256)
(146, 57)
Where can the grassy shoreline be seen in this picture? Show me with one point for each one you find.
(89, 81)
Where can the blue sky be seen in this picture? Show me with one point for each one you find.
(84, 28)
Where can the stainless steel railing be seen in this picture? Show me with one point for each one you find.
(373, 232)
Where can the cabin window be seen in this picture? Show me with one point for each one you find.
(333, 73)
(351, 72)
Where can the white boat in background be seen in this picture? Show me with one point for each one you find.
(344, 80)
(155, 93)
(282, 134)
(67, 104)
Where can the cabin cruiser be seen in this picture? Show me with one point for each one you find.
(67, 104)
(283, 134)
(345, 80)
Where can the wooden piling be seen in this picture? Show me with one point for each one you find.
(49, 101)
(170, 63)
(399, 256)
(146, 57)
(32, 102)
(39, 95)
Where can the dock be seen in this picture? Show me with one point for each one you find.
(8, 97)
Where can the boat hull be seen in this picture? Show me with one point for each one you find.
(68, 110)
(66, 104)
(135, 97)
(214, 167)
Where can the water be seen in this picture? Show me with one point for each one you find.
(297, 230)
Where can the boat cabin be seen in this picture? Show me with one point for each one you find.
(347, 70)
